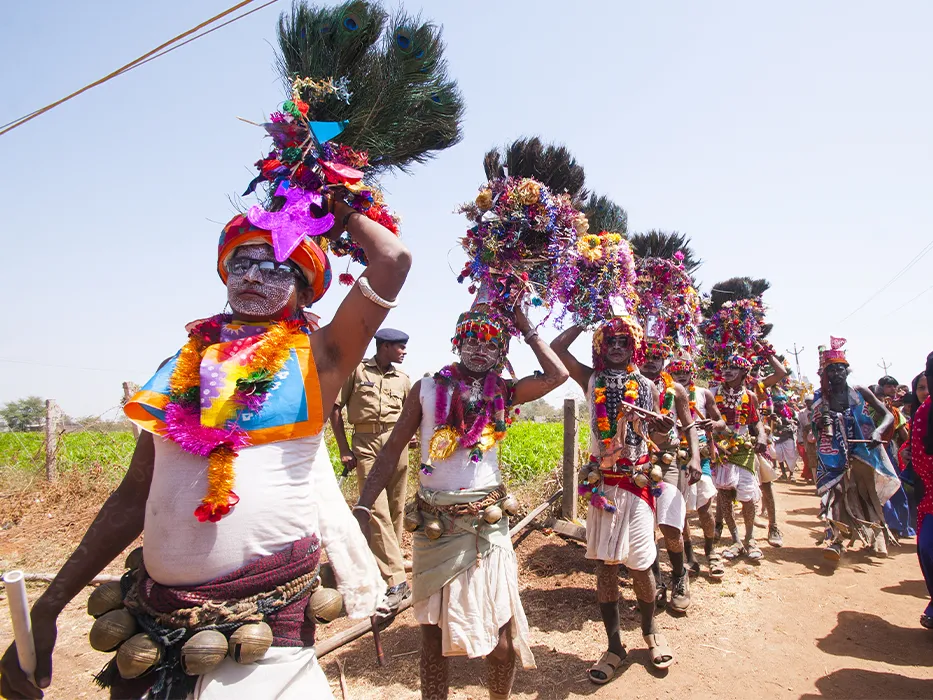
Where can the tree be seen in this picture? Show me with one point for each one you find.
(663, 244)
(24, 414)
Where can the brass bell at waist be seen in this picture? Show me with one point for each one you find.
(640, 479)
(325, 605)
(654, 459)
(203, 652)
(656, 474)
(592, 477)
(412, 520)
(667, 458)
(433, 527)
(111, 629)
(137, 655)
(250, 642)
(682, 454)
(134, 559)
(510, 504)
(492, 514)
(104, 598)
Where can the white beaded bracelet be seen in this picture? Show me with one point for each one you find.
(370, 294)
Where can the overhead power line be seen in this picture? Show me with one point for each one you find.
(157, 52)
(894, 279)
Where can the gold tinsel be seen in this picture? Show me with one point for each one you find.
(219, 476)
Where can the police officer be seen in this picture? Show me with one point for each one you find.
(373, 396)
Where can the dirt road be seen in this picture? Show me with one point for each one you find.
(790, 627)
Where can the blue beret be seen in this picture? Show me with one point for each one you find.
(390, 335)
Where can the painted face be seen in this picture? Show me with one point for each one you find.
(652, 366)
(618, 350)
(836, 374)
(922, 389)
(683, 378)
(479, 356)
(256, 294)
(733, 374)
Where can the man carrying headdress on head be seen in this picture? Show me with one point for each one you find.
(627, 494)
(700, 496)
(853, 473)
(464, 571)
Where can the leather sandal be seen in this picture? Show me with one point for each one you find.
(716, 570)
(607, 665)
(660, 652)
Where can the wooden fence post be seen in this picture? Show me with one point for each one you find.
(52, 418)
(129, 389)
(568, 505)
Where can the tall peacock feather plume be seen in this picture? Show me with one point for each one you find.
(603, 214)
(664, 244)
(735, 319)
(365, 94)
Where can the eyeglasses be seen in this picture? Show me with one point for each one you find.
(269, 269)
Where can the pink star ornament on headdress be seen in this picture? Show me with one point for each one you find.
(293, 222)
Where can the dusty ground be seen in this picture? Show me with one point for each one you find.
(789, 627)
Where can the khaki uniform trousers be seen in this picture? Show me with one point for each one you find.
(389, 508)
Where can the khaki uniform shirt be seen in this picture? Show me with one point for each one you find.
(372, 397)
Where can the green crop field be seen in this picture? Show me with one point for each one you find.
(530, 451)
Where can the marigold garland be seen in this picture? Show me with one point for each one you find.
(221, 445)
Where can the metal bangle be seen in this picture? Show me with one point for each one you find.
(362, 508)
(346, 218)
(367, 291)
(531, 335)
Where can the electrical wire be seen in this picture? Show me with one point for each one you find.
(894, 279)
(160, 50)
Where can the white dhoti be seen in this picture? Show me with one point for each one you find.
(729, 476)
(475, 605)
(625, 536)
(285, 673)
(786, 451)
(700, 493)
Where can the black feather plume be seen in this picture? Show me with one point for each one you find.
(552, 165)
(603, 214)
(663, 244)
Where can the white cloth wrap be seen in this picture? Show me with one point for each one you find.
(287, 491)
(786, 451)
(700, 493)
(728, 476)
(625, 536)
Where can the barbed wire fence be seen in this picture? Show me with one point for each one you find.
(95, 446)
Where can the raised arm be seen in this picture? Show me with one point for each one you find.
(119, 522)
(579, 372)
(339, 346)
(555, 373)
(777, 376)
(880, 409)
(387, 460)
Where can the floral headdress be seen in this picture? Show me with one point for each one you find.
(619, 325)
(337, 129)
(523, 219)
(478, 323)
(669, 306)
(682, 362)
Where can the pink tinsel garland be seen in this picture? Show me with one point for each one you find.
(183, 427)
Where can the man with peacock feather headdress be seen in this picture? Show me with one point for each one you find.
(464, 572)
(734, 333)
(626, 492)
(669, 309)
(230, 481)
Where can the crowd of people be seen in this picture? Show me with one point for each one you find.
(693, 414)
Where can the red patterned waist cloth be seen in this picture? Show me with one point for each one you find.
(620, 475)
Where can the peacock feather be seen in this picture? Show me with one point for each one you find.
(603, 214)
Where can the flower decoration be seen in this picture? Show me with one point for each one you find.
(669, 305)
(519, 226)
(595, 278)
(304, 163)
(733, 331)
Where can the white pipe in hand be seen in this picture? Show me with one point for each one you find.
(15, 584)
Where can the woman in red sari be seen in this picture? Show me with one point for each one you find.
(921, 448)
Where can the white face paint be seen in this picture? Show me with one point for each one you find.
(682, 378)
(255, 295)
(618, 350)
(652, 366)
(478, 356)
(733, 374)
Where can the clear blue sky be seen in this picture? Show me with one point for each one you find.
(790, 141)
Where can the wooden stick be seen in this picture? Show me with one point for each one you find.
(343, 681)
(48, 578)
(535, 513)
(328, 645)
(374, 623)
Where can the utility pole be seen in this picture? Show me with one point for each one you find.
(884, 365)
(797, 353)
